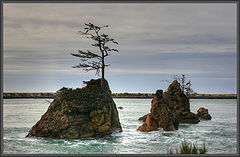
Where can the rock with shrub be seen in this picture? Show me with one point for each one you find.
(79, 113)
(168, 109)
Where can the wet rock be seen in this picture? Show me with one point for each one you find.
(149, 125)
(168, 109)
(120, 107)
(203, 114)
(143, 118)
(188, 117)
(163, 114)
(84, 112)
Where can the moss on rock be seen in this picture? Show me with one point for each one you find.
(76, 113)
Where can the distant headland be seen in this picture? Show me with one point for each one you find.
(50, 95)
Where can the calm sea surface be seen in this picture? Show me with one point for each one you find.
(219, 134)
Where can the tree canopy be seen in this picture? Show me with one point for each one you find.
(95, 60)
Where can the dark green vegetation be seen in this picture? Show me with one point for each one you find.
(95, 61)
(213, 96)
(188, 148)
(29, 95)
(119, 95)
(132, 95)
(78, 113)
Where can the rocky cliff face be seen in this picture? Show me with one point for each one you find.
(83, 112)
(168, 110)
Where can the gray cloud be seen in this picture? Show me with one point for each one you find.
(42, 36)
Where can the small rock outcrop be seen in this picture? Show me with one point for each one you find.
(168, 109)
(188, 118)
(143, 118)
(203, 114)
(120, 107)
(83, 112)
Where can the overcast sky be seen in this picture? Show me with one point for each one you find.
(155, 41)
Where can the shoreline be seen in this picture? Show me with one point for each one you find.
(127, 97)
(51, 95)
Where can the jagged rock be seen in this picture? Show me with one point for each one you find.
(149, 125)
(84, 112)
(162, 112)
(202, 113)
(143, 118)
(168, 109)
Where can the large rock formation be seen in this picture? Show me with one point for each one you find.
(202, 113)
(168, 109)
(84, 112)
(161, 116)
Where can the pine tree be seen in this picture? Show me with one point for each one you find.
(95, 61)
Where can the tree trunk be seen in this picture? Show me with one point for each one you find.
(103, 69)
(103, 64)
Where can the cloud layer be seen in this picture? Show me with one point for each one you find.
(155, 39)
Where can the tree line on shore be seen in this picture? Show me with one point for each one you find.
(116, 95)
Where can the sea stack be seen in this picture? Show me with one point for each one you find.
(78, 113)
(168, 109)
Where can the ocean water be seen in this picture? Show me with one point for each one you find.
(219, 134)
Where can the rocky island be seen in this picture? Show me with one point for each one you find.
(168, 109)
(78, 113)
